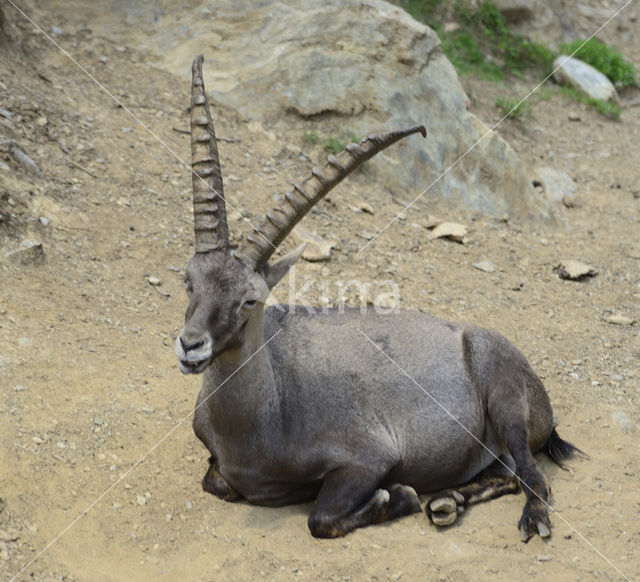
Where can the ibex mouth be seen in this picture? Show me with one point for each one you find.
(197, 367)
(196, 359)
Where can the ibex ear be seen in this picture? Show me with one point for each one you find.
(278, 269)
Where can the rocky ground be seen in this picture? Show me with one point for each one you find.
(99, 468)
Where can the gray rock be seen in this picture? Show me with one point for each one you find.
(30, 253)
(361, 65)
(625, 423)
(452, 230)
(575, 270)
(316, 249)
(584, 77)
(486, 266)
(618, 319)
(558, 185)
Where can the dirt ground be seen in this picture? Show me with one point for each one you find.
(90, 389)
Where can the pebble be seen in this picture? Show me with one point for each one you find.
(141, 500)
(189, 505)
(544, 558)
(451, 230)
(9, 535)
(575, 270)
(617, 319)
(316, 249)
(31, 253)
(154, 281)
(625, 423)
(364, 206)
(574, 116)
(486, 266)
(37, 440)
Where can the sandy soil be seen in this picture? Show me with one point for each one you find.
(90, 390)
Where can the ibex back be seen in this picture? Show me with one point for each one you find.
(360, 411)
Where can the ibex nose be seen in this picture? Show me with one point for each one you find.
(187, 346)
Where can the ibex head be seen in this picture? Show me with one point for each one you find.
(228, 287)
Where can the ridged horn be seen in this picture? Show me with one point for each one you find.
(263, 241)
(209, 210)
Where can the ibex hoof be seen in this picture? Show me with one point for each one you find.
(443, 510)
(534, 520)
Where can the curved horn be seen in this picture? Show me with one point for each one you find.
(260, 244)
(209, 211)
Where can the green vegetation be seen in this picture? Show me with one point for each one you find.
(312, 137)
(607, 59)
(478, 42)
(482, 43)
(331, 143)
(607, 108)
(513, 108)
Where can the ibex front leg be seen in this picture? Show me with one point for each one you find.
(213, 482)
(349, 499)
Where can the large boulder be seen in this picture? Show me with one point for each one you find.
(358, 65)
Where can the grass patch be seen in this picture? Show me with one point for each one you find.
(331, 143)
(513, 108)
(312, 137)
(607, 108)
(607, 59)
(483, 45)
(334, 145)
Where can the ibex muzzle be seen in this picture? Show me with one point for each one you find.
(297, 406)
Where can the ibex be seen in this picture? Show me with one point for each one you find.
(346, 407)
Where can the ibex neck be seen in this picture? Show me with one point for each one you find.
(245, 388)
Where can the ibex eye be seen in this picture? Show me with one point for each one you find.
(250, 303)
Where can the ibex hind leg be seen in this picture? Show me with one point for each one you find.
(496, 480)
(216, 484)
(350, 498)
(507, 412)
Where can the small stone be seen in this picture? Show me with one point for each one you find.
(625, 423)
(31, 253)
(451, 230)
(573, 116)
(141, 500)
(18, 388)
(56, 31)
(544, 558)
(154, 281)
(486, 266)
(9, 535)
(575, 270)
(617, 319)
(317, 249)
(104, 60)
(42, 121)
(44, 221)
(189, 505)
(37, 440)
(364, 206)
(117, 505)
